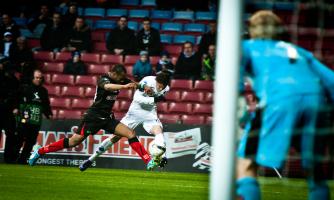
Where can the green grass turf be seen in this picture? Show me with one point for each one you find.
(62, 183)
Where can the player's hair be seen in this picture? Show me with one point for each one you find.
(163, 78)
(118, 69)
(264, 24)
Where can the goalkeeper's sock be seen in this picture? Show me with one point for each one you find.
(53, 147)
(318, 190)
(159, 140)
(248, 188)
(103, 147)
(138, 147)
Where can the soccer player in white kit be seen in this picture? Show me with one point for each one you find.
(143, 110)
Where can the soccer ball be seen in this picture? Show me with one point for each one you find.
(155, 150)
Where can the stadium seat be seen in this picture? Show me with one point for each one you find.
(69, 114)
(90, 57)
(81, 103)
(114, 14)
(173, 95)
(183, 16)
(129, 3)
(202, 109)
(138, 14)
(63, 79)
(148, 4)
(100, 47)
(161, 16)
(85, 80)
(90, 92)
(63, 56)
(205, 17)
(51, 67)
(183, 85)
(180, 108)
(203, 86)
(133, 25)
(64, 103)
(162, 107)
(131, 59)
(155, 25)
(32, 43)
(125, 94)
(54, 113)
(111, 59)
(166, 38)
(169, 118)
(94, 13)
(194, 29)
(47, 78)
(43, 56)
(124, 106)
(208, 120)
(154, 60)
(208, 97)
(193, 119)
(98, 36)
(180, 39)
(173, 50)
(171, 28)
(20, 21)
(115, 107)
(198, 39)
(197, 97)
(26, 33)
(81, 11)
(53, 90)
(98, 69)
(105, 24)
(72, 91)
(129, 69)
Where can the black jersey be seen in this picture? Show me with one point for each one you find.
(104, 100)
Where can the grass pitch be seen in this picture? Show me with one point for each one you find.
(62, 183)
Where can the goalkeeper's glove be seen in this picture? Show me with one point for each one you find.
(159, 98)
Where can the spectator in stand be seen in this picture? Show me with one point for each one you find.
(7, 45)
(8, 88)
(165, 64)
(209, 60)
(33, 102)
(79, 38)
(8, 25)
(22, 60)
(142, 67)
(121, 40)
(37, 25)
(188, 65)
(71, 15)
(75, 66)
(208, 39)
(53, 37)
(148, 39)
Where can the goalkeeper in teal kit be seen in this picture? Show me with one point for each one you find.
(290, 84)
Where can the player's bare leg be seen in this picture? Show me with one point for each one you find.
(247, 186)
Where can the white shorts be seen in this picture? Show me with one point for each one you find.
(133, 121)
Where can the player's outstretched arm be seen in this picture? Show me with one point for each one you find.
(111, 86)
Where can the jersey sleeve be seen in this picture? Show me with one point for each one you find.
(102, 81)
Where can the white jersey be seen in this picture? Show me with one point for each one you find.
(143, 109)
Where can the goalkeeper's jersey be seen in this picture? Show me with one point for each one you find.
(280, 70)
(144, 105)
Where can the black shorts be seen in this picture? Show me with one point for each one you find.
(92, 123)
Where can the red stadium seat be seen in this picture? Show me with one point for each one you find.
(90, 92)
(69, 114)
(202, 109)
(203, 86)
(173, 50)
(63, 56)
(100, 47)
(98, 69)
(43, 56)
(63, 79)
(208, 120)
(125, 94)
(180, 108)
(130, 59)
(64, 103)
(72, 91)
(90, 57)
(192, 96)
(55, 113)
(192, 119)
(181, 84)
(47, 78)
(169, 118)
(111, 59)
(51, 67)
(124, 106)
(154, 60)
(208, 97)
(99, 36)
(173, 95)
(31, 43)
(86, 80)
(81, 103)
(162, 107)
(53, 90)
(116, 108)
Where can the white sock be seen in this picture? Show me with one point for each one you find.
(160, 140)
(103, 147)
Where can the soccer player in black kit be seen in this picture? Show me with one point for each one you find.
(100, 116)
